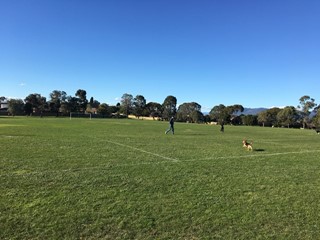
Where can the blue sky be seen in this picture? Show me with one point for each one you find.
(257, 53)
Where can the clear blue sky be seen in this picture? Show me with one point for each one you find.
(258, 53)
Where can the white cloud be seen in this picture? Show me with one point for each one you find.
(22, 84)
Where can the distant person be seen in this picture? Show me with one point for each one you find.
(171, 128)
(222, 127)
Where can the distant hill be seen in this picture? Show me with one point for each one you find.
(252, 111)
(247, 111)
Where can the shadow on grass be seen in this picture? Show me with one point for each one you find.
(259, 150)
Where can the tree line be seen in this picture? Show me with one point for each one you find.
(306, 114)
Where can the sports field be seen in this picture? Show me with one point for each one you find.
(126, 179)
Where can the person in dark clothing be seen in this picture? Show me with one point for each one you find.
(222, 127)
(171, 128)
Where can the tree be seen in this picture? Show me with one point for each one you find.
(269, 117)
(154, 109)
(115, 109)
(249, 120)
(306, 104)
(126, 104)
(236, 120)
(28, 109)
(82, 100)
(71, 105)
(316, 120)
(235, 109)
(206, 118)
(233, 112)
(189, 112)
(197, 117)
(220, 113)
(169, 107)
(15, 106)
(92, 105)
(287, 116)
(56, 99)
(272, 116)
(223, 114)
(139, 105)
(263, 117)
(104, 110)
(37, 102)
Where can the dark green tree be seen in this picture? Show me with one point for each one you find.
(169, 107)
(114, 110)
(232, 113)
(197, 117)
(269, 117)
(154, 109)
(249, 120)
(82, 100)
(236, 120)
(37, 102)
(15, 106)
(288, 116)
(220, 113)
(306, 104)
(28, 109)
(139, 106)
(71, 105)
(223, 114)
(56, 99)
(92, 105)
(126, 104)
(235, 109)
(104, 110)
(189, 112)
(263, 117)
(207, 118)
(272, 115)
(316, 120)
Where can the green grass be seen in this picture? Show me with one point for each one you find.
(126, 179)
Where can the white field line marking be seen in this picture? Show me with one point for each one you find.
(105, 167)
(144, 151)
(251, 155)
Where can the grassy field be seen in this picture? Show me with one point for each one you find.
(126, 179)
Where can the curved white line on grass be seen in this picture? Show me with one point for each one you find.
(251, 155)
(104, 167)
(144, 151)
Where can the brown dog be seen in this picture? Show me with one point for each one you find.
(247, 145)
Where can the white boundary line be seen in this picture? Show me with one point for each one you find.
(250, 156)
(169, 160)
(144, 151)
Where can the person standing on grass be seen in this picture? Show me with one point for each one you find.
(171, 128)
(222, 127)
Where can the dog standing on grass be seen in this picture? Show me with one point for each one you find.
(247, 145)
